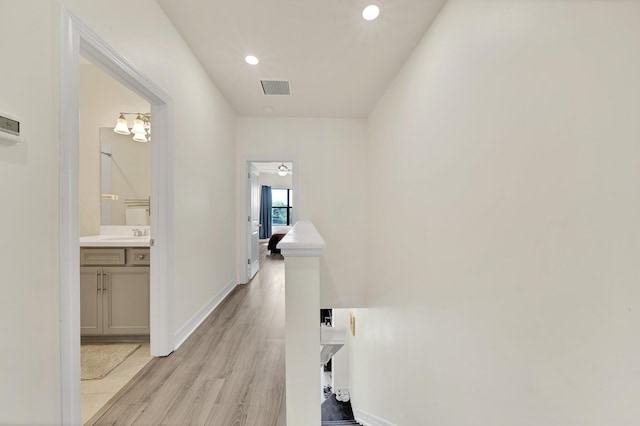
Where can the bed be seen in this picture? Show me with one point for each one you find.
(273, 242)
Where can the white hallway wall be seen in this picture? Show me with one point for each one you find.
(511, 139)
(29, 290)
(204, 154)
(331, 173)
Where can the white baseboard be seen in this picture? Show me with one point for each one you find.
(190, 326)
(369, 419)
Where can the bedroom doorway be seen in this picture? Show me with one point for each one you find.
(271, 205)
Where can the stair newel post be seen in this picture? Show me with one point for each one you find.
(302, 248)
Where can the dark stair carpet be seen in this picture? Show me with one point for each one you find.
(337, 413)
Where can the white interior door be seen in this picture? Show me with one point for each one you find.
(254, 221)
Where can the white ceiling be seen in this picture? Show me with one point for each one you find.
(338, 64)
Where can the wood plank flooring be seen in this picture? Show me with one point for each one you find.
(230, 372)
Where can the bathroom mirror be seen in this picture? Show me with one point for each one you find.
(125, 179)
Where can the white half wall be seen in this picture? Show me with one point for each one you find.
(331, 174)
(340, 361)
(511, 137)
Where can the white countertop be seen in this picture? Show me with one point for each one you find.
(114, 241)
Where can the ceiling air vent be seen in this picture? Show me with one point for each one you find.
(275, 87)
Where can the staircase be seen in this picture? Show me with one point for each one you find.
(337, 413)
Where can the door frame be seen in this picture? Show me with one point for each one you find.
(245, 208)
(250, 207)
(76, 38)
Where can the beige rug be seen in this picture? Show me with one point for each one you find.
(96, 361)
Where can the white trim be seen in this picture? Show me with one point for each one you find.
(369, 419)
(197, 319)
(300, 252)
(244, 198)
(76, 37)
(69, 245)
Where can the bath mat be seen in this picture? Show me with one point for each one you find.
(96, 361)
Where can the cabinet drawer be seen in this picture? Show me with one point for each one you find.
(102, 256)
(139, 256)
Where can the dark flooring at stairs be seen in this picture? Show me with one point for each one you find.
(336, 411)
(340, 423)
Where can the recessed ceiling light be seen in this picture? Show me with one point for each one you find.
(371, 12)
(251, 60)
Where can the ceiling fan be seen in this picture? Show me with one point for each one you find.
(283, 170)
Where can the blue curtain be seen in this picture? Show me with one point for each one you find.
(265, 213)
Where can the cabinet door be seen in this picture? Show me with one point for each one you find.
(90, 301)
(125, 300)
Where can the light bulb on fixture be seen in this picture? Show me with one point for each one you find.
(140, 137)
(138, 126)
(283, 170)
(121, 126)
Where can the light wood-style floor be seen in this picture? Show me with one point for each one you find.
(230, 372)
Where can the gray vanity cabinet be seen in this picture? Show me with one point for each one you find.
(114, 300)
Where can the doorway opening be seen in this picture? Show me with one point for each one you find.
(77, 38)
(114, 196)
(271, 206)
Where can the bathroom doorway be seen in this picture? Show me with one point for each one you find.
(77, 38)
(114, 195)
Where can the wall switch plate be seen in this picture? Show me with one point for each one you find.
(10, 131)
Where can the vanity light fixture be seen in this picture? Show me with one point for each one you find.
(283, 170)
(141, 126)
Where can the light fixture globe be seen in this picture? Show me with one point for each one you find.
(283, 170)
(138, 126)
(122, 126)
(140, 137)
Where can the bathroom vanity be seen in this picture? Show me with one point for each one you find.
(114, 289)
